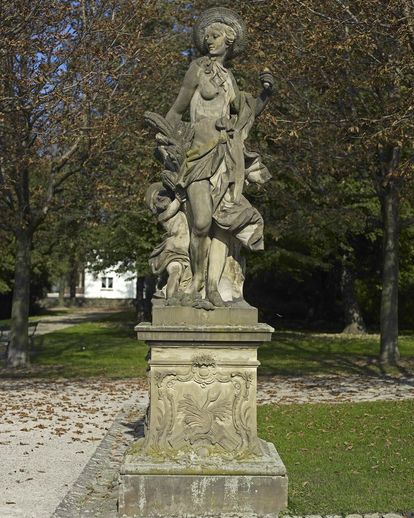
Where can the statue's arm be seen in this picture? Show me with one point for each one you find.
(185, 95)
(170, 211)
(266, 78)
(236, 101)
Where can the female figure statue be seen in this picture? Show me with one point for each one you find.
(214, 164)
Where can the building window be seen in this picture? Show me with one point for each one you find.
(107, 283)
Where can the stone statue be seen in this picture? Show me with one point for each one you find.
(207, 166)
(171, 255)
(200, 454)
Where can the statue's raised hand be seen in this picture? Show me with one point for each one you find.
(267, 79)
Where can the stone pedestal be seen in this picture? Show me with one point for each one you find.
(201, 456)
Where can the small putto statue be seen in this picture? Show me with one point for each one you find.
(200, 198)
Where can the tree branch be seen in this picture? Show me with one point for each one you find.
(57, 166)
(408, 7)
(347, 10)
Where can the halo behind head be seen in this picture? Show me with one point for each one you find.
(229, 18)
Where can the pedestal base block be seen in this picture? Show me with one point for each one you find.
(201, 456)
(236, 314)
(257, 488)
(189, 496)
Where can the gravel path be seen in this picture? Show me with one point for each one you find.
(48, 432)
(53, 323)
(333, 389)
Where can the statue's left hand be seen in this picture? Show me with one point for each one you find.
(267, 79)
(180, 194)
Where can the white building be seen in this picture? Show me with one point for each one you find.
(109, 285)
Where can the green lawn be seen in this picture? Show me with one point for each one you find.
(109, 348)
(97, 352)
(99, 349)
(300, 353)
(347, 458)
(44, 315)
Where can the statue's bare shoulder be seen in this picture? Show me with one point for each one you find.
(192, 75)
(190, 83)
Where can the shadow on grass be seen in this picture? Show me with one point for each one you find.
(92, 338)
(87, 350)
(69, 316)
(293, 353)
(125, 318)
(108, 348)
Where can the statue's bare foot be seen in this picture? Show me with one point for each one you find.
(215, 298)
(188, 299)
(159, 294)
(203, 304)
(173, 301)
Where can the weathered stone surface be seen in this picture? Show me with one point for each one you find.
(239, 313)
(201, 455)
(202, 400)
(204, 335)
(199, 496)
(265, 463)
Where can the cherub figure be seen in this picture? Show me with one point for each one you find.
(172, 254)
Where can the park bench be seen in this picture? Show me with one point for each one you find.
(5, 337)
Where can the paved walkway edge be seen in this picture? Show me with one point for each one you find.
(95, 491)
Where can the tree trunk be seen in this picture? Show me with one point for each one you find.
(18, 352)
(62, 287)
(354, 322)
(145, 290)
(139, 302)
(73, 281)
(389, 353)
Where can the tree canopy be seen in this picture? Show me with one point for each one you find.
(76, 157)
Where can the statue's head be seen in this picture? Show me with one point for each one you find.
(218, 38)
(158, 197)
(220, 31)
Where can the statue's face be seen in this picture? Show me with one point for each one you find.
(162, 200)
(215, 41)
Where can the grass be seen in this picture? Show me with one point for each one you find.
(107, 348)
(347, 458)
(44, 315)
(93, 350)
(294, 353)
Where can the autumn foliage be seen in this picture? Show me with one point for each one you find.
(76, 78)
